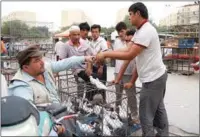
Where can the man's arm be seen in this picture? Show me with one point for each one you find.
(122, 70)
(89, 65)
(67, 63)
(128, 55)
(134, 76)
(133, 79)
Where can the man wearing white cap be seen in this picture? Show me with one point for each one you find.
(77, 47)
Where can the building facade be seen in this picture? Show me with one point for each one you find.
(185, 15)
(69, 17)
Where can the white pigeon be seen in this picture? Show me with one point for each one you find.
(85, 108)
(122, 113)
(106, 130)
(114, 123)
(98, 83)
(86, 129)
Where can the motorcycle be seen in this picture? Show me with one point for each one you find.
(20, 117)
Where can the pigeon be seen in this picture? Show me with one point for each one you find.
(87, 109)
(85, 129)
(98, 83)
(106, 129)
(114, 123)
(97, 99)
(122, 113)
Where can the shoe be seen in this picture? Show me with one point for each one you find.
(135, 127)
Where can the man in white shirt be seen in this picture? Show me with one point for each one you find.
(77, 47)
(99, 44)
(145, 46)
(84, 30)
(58, 45)
(123, 72)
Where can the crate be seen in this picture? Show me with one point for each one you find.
(186, 43)
(97, 118)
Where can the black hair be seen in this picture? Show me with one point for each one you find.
(106, 38)
(56, 40)
(120, 26)
(130, 32)
(139, 6)
(84, 26)
(96, 26)
(1, 38)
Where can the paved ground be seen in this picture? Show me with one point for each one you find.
(182, 102)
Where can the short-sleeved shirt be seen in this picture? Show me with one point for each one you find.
(68, 50)
(99, 45)
(149, 62)
(118, 63)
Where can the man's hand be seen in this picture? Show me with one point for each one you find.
(89, 59)
(115, 81)
(61, 129)
(100, 58)
(128, 85)
(100, 71)
(88, 72)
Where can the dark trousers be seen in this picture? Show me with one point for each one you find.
(152, 109)
(91, 89)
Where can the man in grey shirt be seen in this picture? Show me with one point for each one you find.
(77, 47)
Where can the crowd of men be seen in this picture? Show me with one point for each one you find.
(137, 53)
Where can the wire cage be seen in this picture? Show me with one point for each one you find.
(97, 117)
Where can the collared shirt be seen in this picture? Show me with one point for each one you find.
(99, 45)
(24, 90)
(69, 50)
(118, 64)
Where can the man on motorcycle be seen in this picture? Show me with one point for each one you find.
(34, 80)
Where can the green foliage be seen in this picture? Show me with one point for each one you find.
(127, 22)
(20, 29)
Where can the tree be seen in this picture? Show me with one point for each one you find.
(20, 29)
(127, 22)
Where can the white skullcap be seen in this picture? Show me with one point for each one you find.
(74, 28)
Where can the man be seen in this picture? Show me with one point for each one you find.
(3, 48)
(77, 47)
(58, 45)
(84, 30)
(99, 44)
(123, 72)
(34, 80)
(150, 70)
